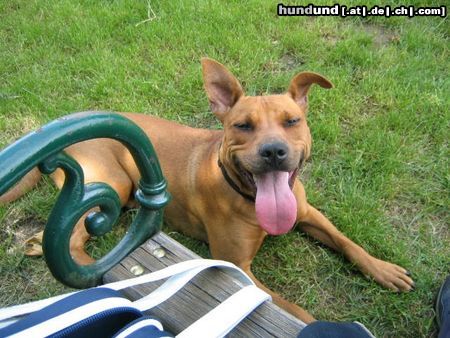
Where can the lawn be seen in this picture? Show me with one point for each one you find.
(379, 168)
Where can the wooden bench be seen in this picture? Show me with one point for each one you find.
(199, 296)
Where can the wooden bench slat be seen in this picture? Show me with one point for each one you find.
(202, 294)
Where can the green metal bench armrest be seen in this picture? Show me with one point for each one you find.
(44, 148)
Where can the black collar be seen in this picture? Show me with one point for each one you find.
(233, 184)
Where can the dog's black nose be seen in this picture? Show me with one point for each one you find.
(274, 153)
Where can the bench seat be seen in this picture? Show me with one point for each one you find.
(202, 294)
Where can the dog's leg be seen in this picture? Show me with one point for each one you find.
(387, 274)
(77, 241)
(239, 245)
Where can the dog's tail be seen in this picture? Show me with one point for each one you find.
(27, 183)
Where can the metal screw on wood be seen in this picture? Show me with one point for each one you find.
(137, 270)
(159, 252)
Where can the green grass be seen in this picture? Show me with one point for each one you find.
(380, 158)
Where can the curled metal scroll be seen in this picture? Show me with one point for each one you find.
(44, 148)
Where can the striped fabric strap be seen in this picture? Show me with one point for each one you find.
(58, 323)
(231, 311)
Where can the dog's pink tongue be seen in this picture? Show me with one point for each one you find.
(276, 207)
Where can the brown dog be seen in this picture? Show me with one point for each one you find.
(233, 187)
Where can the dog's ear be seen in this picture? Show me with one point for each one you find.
(222, 88)
(299, 87)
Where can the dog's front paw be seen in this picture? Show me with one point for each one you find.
(391, 276)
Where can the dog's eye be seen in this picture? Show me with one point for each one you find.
(292, 122)
(244, 126)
